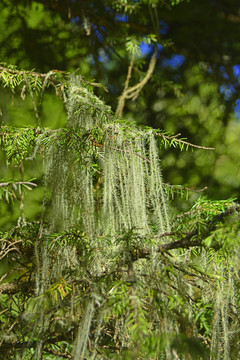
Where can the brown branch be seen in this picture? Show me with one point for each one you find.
(59, 353)
(184, 243)
(122, 98)
(187, 242)
(133, 92)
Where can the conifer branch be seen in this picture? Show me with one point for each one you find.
(56, 78)
(28, 72)
(52, 340)
(180, 188)
(188, 241)
(181, 141)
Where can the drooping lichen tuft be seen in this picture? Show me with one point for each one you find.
(127, 192)
(104, 179)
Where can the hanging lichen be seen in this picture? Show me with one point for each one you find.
(105, 180)
(83, 332)
(131, 194)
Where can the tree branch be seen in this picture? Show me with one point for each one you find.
(122, 98)
(13, 288)
(187, 242)
(133, 92)
(166, 137)
(18, 183)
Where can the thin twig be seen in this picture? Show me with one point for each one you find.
(18, 183)
(179, 187)
(10, 247)
(166, 137)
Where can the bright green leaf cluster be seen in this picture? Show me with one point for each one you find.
(17, 143)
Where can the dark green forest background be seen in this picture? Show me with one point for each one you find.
(194, 89)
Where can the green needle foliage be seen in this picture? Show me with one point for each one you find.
(106, 271)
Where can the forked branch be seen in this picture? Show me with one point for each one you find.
(133, 92)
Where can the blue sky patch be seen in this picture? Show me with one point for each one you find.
(146, 49)
(236, 72)
(163, 27)
(223, 72)
(174, 62)
(121, 17)
(227, 90)
(237, 108)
